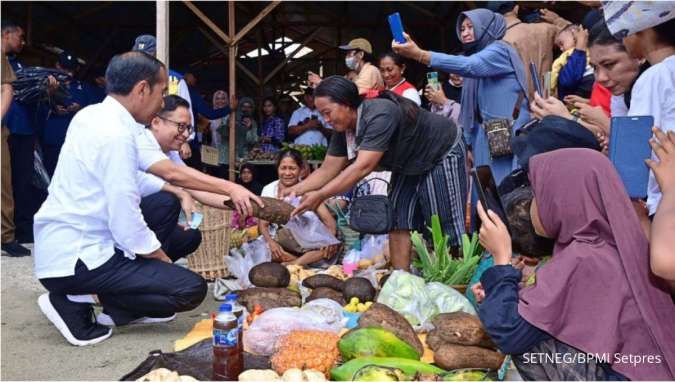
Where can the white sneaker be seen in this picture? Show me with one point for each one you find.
(106, 320)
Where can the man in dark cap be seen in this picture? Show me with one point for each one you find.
(81, 94)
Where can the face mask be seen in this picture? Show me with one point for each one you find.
(351, 62)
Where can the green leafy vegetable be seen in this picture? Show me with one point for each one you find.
(439, 265)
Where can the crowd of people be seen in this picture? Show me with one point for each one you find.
(125, 167)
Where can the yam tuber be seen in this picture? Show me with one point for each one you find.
(449, 357)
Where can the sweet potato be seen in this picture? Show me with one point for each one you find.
(269, 298)
(324, 292)
(275, 211)
(325, 281)
(450, 357)
(462, 329)
(382, 316)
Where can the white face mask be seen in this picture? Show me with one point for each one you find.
(351, 62)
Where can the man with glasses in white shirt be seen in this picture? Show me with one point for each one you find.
(92, 244)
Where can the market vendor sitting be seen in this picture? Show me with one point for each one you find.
(284, 248)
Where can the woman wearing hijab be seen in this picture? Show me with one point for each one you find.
(246, 133)
(220, 100)
(494, 80)
(595, 296)
(247, 178)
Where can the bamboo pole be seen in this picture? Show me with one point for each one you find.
(232, 76)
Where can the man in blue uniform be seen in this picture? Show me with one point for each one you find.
(54, 133)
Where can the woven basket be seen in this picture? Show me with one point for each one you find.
(208, 259)
(210, 155)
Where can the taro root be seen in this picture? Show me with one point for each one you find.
(269, 298)
(450, 357)
(463, 329)
(329, 293)
(276, 211)
(382, 316)
(269, 275)
(323, 281)
(358, 287)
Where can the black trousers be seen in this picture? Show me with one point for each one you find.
(50, 156)
(131, 289)
(160, 211)
(27, 198)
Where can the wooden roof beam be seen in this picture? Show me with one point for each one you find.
(208, 22)
(269, 8)
(290, 56)
(224, 50)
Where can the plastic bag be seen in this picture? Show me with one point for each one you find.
(241, 260)
(419, 302)
(447, 299)
(261, 337)
(330, 310)
(195, 361)
(407, 294)
(373, 246)
(41, 178)
(310, 232)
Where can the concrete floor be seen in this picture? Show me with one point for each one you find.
(33, 349)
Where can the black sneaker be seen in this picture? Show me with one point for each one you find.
(14, 249)
(74, 320)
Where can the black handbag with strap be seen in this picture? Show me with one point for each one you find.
(371, 214)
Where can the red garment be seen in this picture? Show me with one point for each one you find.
(372, 93)
(601, 96)
(400, 88)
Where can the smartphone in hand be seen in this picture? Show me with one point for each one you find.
(432, 79)
(628, 149)
(535, 79)
(396, 26)
(488, 195)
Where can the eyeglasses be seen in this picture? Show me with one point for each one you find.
(182, 127)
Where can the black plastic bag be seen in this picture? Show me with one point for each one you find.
(195, 361)
(31, 85)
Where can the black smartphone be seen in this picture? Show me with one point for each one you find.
(487, 192)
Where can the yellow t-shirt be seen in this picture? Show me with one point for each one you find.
(369, 78)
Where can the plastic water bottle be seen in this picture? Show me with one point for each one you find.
(239, 311)
(237, 308)
(228, 360)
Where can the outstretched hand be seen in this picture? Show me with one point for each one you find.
(408, 49)
(310, 202)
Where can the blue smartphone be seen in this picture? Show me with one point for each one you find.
(535, 79)
(396, 26)
(628, 149)
(196, 219)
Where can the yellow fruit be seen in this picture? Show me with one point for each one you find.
(361, 308)
(365, 263)
(354, 301)
(368, 304)
(350, 308)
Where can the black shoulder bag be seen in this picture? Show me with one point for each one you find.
(371, 213)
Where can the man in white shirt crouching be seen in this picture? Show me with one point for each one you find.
(159, 143)
(90, 237)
